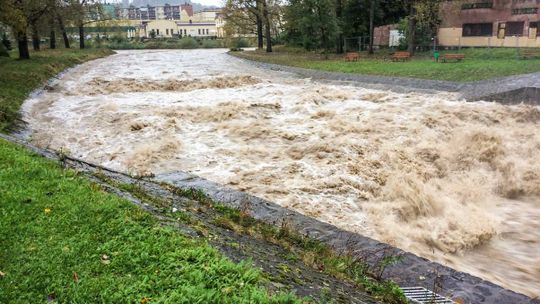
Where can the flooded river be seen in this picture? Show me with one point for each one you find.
(455, 182)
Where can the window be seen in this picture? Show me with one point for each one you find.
(525, 11)
(172, 32)
(185, 32)
(477, 29)
(167, 31)
(199, 31)
(157, 31)
(467, 6)
(514, 29)
(207, 31)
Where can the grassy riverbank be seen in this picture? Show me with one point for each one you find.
(64, 239)
(479, 64)
(18, 78)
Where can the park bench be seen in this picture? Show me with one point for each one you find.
(454, 57)
(352, 56)
(527, 54)
(401, 56)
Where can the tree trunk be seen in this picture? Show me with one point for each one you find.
(35, 38)
(52, 42)
(339, 14)
(260, 38)
(22, 43)
(63, 29)
(267, 27)
(81, 36)
(371, 25)
(411, 31)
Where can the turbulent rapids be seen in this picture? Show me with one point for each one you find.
(455, 182)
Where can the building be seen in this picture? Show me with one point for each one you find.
(165, 21)
(197, 29)
(387, 35)
(161, 28)
(146, 13)
(490, 23)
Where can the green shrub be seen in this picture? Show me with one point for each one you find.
(188, 43)
(126, 45)
(209, 44)
(242, 43)
(118, 38)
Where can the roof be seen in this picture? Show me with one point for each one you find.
(194, 23)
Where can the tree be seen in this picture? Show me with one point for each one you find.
(372, 5)
(267, 26)
(52, 35)
(6, 42)
(62, 27)
(361, 17)
(312, 22)
(423, 17)
(19, 15)
(242, 19)
(245, 17)
(57, 9)
(3, 51)
(259, 24)
(339, 19)
(85, 12)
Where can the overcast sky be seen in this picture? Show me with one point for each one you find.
(210, 2)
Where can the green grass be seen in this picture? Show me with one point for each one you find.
(19, 77)
(63, 238)
(479, 64)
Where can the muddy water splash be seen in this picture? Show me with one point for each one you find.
(455, 182)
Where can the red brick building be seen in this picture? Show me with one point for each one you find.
(495, 23)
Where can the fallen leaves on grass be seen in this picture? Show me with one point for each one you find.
(145, 300)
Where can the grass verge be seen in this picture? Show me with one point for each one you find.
(65, 240)
(479, 64)
(313, 253)
(19, 77)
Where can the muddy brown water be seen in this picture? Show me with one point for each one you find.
(452, 181)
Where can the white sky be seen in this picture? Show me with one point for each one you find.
(210, 2)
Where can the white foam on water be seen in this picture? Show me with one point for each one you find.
(455, 182)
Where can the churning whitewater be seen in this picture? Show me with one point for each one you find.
(455, 182)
